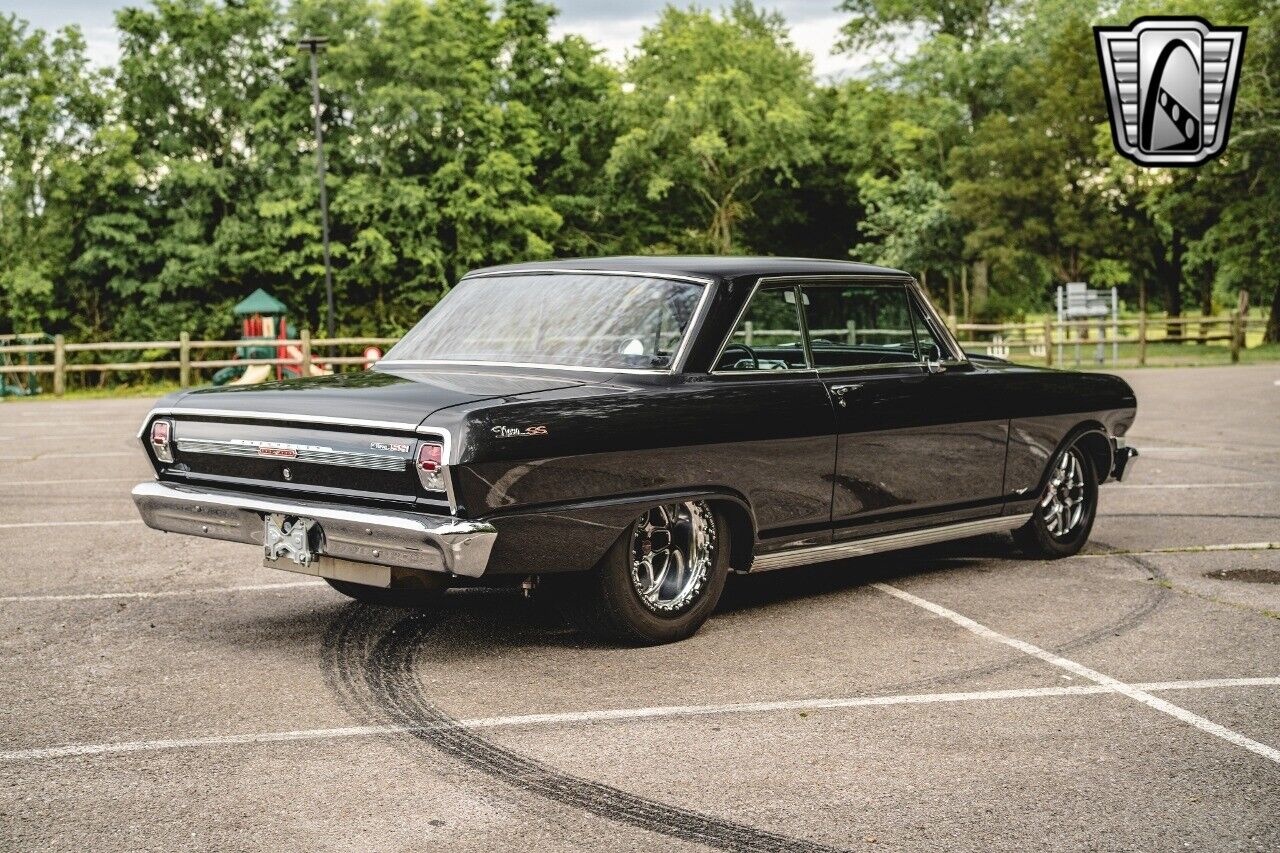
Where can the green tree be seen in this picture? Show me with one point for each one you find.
(51, 107)
(716, 109)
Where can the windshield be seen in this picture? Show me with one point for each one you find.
(569, 319)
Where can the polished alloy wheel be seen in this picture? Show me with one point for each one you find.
(672, 551)
(1063, 504)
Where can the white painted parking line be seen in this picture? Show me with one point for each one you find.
(624, 715)
(13, 484)
(1188, 549)
(97, 423)
(80, 456)
(20, 524)
(1124, 487)
(1135, 692)
(163, 593)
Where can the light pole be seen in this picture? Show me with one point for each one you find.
(313, 45)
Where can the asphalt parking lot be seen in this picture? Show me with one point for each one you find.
(163, 692)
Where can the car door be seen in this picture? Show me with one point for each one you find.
(916, 445)
(779, 415)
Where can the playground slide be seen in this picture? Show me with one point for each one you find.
(316, 370)
(254, 374)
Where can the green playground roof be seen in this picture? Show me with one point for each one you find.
(260, 302)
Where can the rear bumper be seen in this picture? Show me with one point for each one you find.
(433, 543)
(1123, 458)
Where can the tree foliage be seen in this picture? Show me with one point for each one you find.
(147, 198)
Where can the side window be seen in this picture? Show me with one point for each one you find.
(768, 336)
(930, 348)
(859, 325)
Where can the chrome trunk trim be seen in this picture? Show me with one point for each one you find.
(235, 414)
(888, 542)
(303, 453)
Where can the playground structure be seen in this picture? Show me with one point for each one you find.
(15, 353)
(264, 327)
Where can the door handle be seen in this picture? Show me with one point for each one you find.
(839, 391)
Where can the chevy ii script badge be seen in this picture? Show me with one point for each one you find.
(1170, 87)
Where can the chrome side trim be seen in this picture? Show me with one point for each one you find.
(403, 539)
(888, 542)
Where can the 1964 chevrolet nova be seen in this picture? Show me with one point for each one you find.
(627, 431)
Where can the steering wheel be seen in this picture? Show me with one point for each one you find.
(751, 354)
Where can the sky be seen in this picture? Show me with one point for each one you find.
(612, 25)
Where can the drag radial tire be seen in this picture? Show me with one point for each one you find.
(1063, 514)
(658, 583)
(417, 594)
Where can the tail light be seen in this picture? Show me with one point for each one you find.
(162, 440)
(430, 465)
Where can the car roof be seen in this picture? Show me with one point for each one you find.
(702, 266)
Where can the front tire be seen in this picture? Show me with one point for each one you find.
(1063, 515)
(660, 580)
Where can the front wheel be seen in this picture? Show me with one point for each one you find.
(1063, 516)
(659, 582)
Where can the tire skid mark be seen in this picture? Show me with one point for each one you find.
(1156, 597)
(373, 671)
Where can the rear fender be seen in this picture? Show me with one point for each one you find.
(572, 537)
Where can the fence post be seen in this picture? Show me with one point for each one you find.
(304, 345)
(59, 365)
(1239, 323)
(1048, 343)
(851, 332)
(1142, 339)
(184, 359)
(748, 333)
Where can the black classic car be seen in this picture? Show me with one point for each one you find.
(625, 432)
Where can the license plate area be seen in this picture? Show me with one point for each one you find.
(291, 536)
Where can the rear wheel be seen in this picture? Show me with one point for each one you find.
(661, 579)
(418, 592)
(1063, 516)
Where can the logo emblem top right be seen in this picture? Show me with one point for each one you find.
(1170, 87)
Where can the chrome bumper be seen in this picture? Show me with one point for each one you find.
(433, 543)
(1122, 459)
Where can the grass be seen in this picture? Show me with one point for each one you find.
(1158, 355)
(146, 389)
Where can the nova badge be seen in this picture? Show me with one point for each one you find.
(1170, 85)
(277, 452)
(394, 448)
(518, 432)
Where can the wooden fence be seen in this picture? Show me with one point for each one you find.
(60, 365)
(1046, 342)
(1050, 341)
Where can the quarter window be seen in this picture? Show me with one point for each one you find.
(769, 336)
(931, 349)
(859, 325)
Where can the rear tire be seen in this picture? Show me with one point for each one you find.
(660, 580)
(416, 593)
(1064, 513)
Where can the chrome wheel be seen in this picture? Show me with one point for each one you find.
(672, 551)
(1063, 506)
